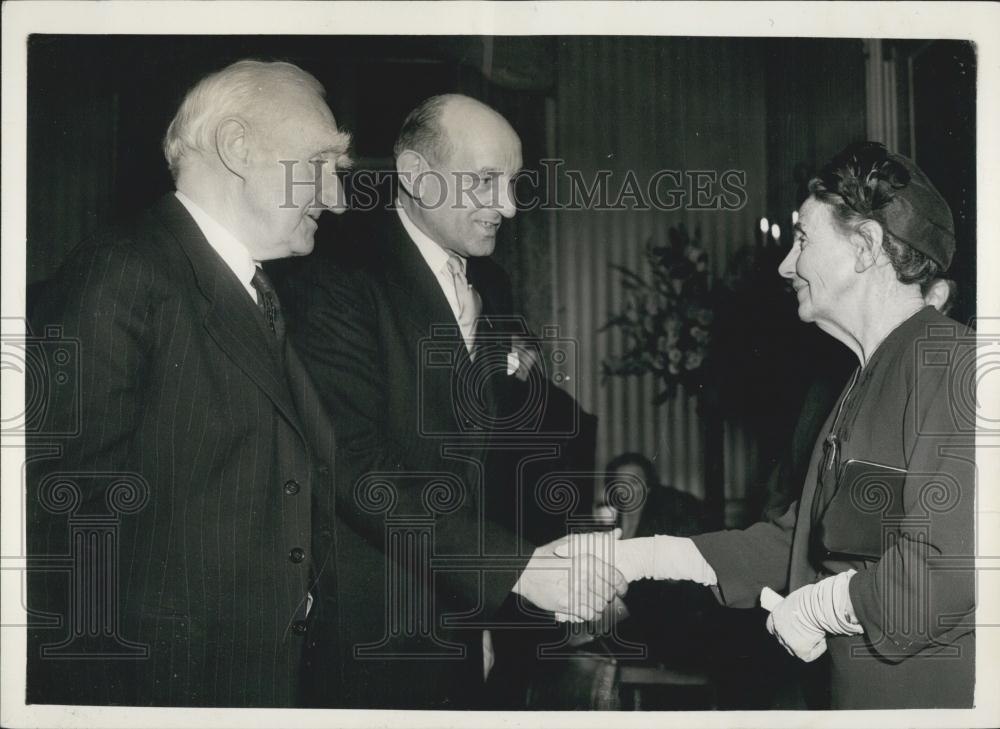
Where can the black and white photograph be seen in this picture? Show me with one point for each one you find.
(498, 364)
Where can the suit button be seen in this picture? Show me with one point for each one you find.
(299, 627)
(322, 469)
(297, 555)
(291, 487)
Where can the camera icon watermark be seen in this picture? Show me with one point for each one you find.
(954, 361)
(477, 389)
(50, 365)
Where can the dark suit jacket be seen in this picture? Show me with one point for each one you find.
(182, 396)
(409, 405)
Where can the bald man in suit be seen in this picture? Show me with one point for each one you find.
(411, 351)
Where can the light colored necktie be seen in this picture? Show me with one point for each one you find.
(470, 305)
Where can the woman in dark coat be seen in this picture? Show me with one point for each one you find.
(876, 555)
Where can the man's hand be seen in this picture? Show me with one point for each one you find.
(578, 582)
(802, 620)
(583, 633)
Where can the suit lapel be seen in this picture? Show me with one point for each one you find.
(487, 293)
(486, 329)
(231, 318)
(422, 302)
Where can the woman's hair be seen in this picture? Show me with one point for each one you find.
(859, 184)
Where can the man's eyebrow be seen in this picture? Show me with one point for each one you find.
(339, 145)
(343, 139)
(798, 229)
(497, 171)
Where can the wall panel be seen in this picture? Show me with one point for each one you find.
(645, 104)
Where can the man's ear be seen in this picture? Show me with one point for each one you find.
(233, 145)
(409, 166)
(867, 239)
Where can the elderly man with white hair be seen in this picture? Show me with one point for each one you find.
(193, 401)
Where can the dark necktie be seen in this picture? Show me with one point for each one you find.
(267, 300)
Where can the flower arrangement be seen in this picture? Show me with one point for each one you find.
(667, 319)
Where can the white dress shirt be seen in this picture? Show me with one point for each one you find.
(436, 258)
(236, 255)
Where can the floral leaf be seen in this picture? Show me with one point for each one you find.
(629, 274)
(619, 320)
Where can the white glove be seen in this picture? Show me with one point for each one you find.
(662, 558)
(802, 620)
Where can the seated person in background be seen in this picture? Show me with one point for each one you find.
(656, 510)
(634, 500)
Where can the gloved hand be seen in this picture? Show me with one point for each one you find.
(663, 558)
(802, 620)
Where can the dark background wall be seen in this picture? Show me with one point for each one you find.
(773, 108)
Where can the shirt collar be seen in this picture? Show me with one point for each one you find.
(435, 256)
(235, 255)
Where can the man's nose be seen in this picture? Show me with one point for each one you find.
(508, 207)
(331, 194)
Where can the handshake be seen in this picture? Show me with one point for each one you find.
(576, 577)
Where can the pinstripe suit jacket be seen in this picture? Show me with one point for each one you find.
(226, 521)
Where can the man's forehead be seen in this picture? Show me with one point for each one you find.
(312, 125)
(321, 118)
(482, 154)
(480, 137)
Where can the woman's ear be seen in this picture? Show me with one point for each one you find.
(867, 241)
(233, 145)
